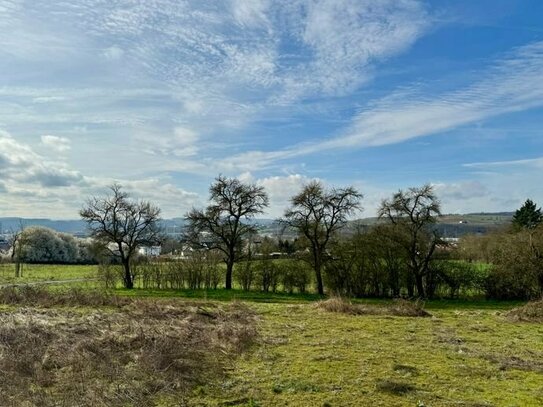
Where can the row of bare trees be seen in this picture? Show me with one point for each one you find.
(123, 225)
(316, 213)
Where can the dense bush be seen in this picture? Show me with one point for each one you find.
(295, 275)
(267, 274)
(199, 270)
(517, 271)
(368, 264)
(516, 262)
(44, 245)
(456, 277)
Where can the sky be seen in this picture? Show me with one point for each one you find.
(162, 96)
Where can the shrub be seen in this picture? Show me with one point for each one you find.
(245, 274)
(295, 275)
(268, 275)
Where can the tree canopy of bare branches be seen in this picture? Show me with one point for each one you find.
(122, 225)
(221, 225)
(412, 212)
(317, 214)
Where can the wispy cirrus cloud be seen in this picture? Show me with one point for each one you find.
(227, 53)
(513, 83)
(526, 162)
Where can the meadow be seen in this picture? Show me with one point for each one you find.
(35, 273)
(286, 349)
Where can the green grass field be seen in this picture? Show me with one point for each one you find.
(458, 357)
(32, 273)
(468, 353)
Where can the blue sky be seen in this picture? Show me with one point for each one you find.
(164, 95)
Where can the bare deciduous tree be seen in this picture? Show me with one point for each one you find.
(220, 226)
(17, 244)
(118, 221)
(318, 214)
(412, 212)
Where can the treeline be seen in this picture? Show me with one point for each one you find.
(402, 255)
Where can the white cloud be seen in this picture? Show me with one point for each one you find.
(180, 142)
(56, 143)
(113, 53)
(459, 191)
(20, 164)
(251, 13)
(280, 190)
(185, 136)
(48, 99)
(346, 38)
(34, 186)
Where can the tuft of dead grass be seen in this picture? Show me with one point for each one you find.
(394, 387)
(135, 355)
(530, 312)
(400, 307)
(337, 304)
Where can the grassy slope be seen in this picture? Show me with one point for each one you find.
(459, 357)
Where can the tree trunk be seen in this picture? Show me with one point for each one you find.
(420, 285)
(318, 274)
(410, 285)
(128, 281)
(229, 272)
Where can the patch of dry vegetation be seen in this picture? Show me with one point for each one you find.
(531, 312)
(400, 307)
(76, 297)
(140, 353)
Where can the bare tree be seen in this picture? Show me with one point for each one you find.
(16, 241)
(317, 215)
(221, 225)
(412, 212)
(122, 225)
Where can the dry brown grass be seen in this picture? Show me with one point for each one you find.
(531, 312)
(134, 355)
(41, 296)
(400, 307)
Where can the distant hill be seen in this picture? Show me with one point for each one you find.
(67, 226)
(457, 225)
(74, 227)
(449, 225)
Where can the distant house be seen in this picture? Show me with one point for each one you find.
(5, 245)
(150, 251)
